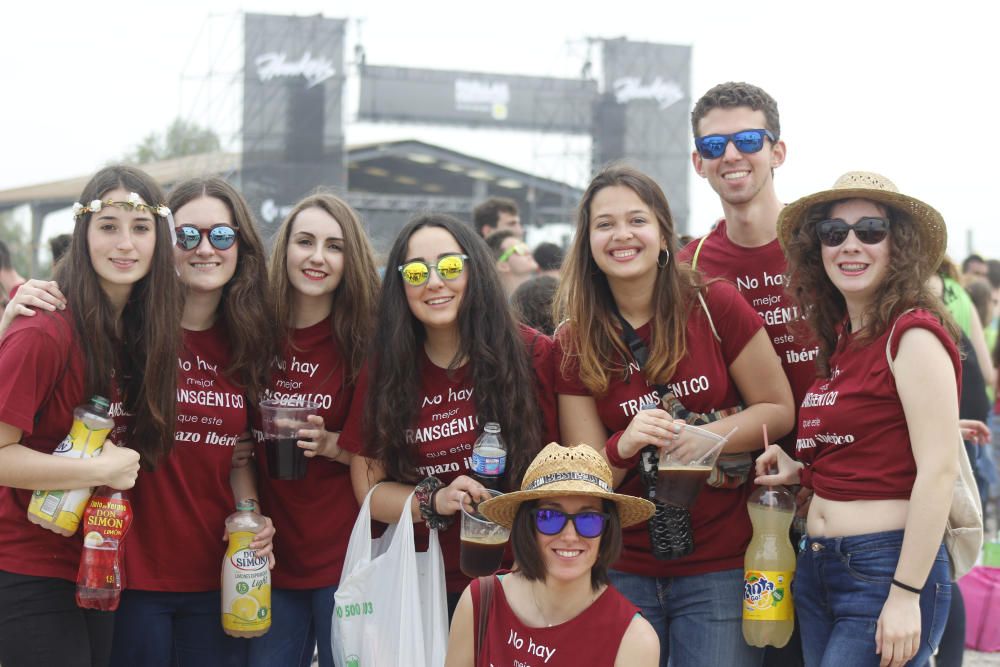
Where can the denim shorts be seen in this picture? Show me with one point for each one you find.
(841, 585)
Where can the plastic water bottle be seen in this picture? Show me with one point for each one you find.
(769, 567)
(60, 511)
(489, 457)
(105, 522)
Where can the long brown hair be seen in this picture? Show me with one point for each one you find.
(354, 298)
(143, 356)
(585, 300)
(500, 366)
(822, 308)
(244, 305)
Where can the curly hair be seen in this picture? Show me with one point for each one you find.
(585, 300)
(821, 306)
(354, 298)
(734, 94)
(490, 344)
(244, 305)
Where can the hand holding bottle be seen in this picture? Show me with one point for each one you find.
(119, 466)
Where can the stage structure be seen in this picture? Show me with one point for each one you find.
(293, 125)
(637, 112)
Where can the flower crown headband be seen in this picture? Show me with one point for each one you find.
(134, 203)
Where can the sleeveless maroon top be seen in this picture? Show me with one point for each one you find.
(592, 638)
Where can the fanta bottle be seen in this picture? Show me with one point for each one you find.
(60, 511)
(246, 579)
(769, 567)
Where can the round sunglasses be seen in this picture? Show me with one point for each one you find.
(417, 272)
(869, 231)
(589, 523)
(221, 236)
(713, 146)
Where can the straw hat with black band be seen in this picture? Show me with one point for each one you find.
(566, 471)
(877, 188)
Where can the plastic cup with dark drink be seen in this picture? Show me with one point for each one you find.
(483, 543)
(682, 472)
(281, 421)
(679, 478)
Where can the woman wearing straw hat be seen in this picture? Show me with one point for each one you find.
(872, 584)
(556, 605)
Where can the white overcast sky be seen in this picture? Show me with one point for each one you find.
(893, 86)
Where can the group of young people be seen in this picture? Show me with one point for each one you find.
(781, 317)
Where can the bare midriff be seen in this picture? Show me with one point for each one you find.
(837, 518)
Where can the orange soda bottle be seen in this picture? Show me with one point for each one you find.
(769, 567)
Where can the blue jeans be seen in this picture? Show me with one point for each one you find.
(841, 585)
(699, 619)
(301, 618)
(158, 629)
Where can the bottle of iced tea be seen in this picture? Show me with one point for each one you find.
(246, 579)
(60, 511)
(105, 522)
(769, 567)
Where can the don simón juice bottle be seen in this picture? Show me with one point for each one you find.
(60, 511)
(769, 567)
(246, 579)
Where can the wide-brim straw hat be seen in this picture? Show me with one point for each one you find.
(877, 188)
(566, 471)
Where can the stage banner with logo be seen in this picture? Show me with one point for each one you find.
(293, 125)
(643, 115)
(443, 97)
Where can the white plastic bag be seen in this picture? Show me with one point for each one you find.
(390, 606)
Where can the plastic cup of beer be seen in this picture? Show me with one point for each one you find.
(681, 473)
(281, 421)
(483, 543)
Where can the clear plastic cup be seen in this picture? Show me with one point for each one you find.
(483, 543)
(281, 421)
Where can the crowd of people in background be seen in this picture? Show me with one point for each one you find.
(830, 314)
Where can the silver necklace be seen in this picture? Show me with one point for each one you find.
(534, 599)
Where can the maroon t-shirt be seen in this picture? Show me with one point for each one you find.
(42, 367)
(852, 432)
(702, 383)
(445, 430)
(313, 517)
(758, 274)
(592, 638)
(180, 509)
(545, 362)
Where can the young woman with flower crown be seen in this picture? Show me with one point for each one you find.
(170, 612)
(877, 432)
(707, 347)
(324, 286)
(117, 337)
(448, 357)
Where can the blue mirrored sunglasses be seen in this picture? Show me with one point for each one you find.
(589, 523)
(713, 146)
(221, 236)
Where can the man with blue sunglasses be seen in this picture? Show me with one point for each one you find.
(737, 138)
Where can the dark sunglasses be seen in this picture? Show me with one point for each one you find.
(869, 231)
(418, 272)
(589, 523)
(221, 236)
(713, 146)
